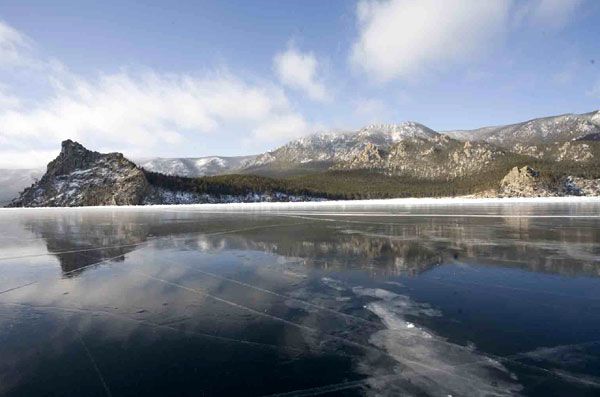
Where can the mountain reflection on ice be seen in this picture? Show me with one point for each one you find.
(394, 245)
(418, 301)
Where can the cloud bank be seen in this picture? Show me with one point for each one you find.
(143, 112)
(406, 39)
(402, 38)
(139, 112)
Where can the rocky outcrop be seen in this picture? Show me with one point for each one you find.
(368, 158)
(523, 182)
(581, 187)
(590, 137)
(573, 151)
(527, 182)
(81, 177)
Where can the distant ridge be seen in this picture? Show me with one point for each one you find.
(543, 130)
(196, 166)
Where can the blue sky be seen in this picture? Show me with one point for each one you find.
(212, 77)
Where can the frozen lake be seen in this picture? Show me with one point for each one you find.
(498, 298)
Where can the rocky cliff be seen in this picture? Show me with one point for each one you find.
(82, 177)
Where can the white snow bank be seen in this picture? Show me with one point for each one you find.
(341, 205)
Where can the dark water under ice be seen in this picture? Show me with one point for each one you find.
(423, 300)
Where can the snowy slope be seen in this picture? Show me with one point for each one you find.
(192, 167)
(566, 127)
(341, 146)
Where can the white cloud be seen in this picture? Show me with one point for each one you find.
(404, 38)
(299, 70)
(145, 112)
(26, 158)
(140, 113)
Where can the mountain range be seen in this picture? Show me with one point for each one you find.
(545, 130)
(557, 138)
(552, 155)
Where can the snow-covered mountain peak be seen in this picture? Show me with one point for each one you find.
(393, 127)
(397, 132)
(544, 130)
(214, 161)
(318, 138)
(342, 146)
(380, 133)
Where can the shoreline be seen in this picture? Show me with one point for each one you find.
(337, 204)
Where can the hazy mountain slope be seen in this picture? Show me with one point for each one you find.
(12, 182)
(544, 130)
(192, 167)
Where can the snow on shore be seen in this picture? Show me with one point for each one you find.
(342, 205)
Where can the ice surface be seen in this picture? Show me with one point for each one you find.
(403, 299)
